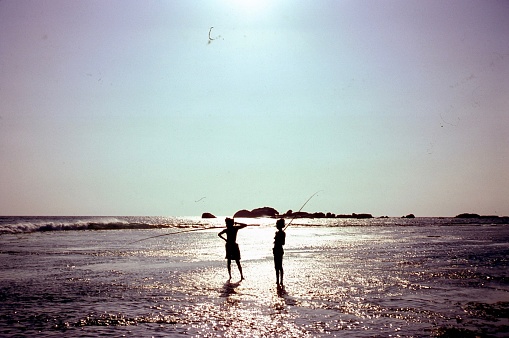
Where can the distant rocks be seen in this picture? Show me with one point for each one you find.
(243, 214)
(302, 214)
(258, 212)
(467, 215)
(207, 215)
(354, 215)
(273, 213)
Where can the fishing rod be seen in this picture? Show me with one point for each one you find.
(301, 208)
(188, 230)
(174, 233)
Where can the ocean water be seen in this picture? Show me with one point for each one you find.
(100, 276)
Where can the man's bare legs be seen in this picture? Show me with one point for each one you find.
(240, 269)
(230, 269)
(279, 273)
(229, 264)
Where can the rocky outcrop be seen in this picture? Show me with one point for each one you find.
(207, 215)
(354, 215)
(273, 213)
(243, 214)
(302, 214)
(467, 215)
(258, 212)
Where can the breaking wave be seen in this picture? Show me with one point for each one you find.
(28, 224)
(16, 225)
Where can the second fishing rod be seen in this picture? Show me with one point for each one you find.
(295, 214)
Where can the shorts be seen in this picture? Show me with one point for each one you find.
(278, 258)
(232, 251)
(278, 251)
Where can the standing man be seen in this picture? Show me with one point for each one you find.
(279, 241)
(232, 248)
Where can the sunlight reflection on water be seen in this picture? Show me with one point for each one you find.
(354, 289)
(361, 281)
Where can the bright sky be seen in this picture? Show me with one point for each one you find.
(126, 107)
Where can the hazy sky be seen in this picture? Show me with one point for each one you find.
(127, 108)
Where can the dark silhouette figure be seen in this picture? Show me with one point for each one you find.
(232, 248)
(279, 241)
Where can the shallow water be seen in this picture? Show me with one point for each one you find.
(356, 281)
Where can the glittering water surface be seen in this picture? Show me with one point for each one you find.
(355, 281)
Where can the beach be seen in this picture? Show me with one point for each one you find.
(86, 277)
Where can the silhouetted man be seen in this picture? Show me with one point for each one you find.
(232, 248)
(279, 241)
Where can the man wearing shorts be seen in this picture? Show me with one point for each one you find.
(279, 241)
(232, 248)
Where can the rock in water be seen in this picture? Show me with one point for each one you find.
(207, 215)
